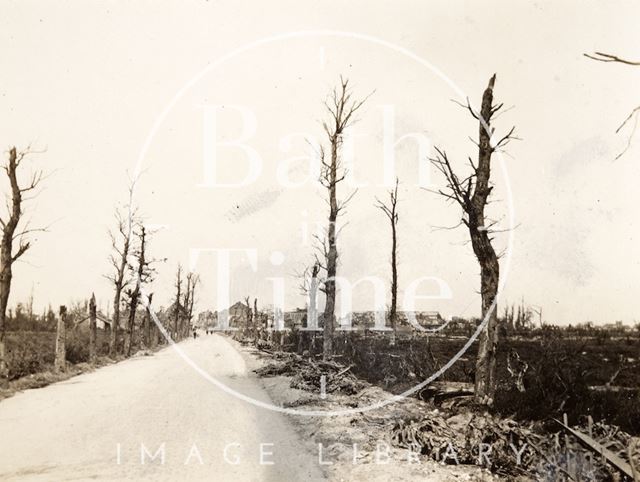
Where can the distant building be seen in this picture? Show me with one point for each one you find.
(102, 323)
(236, 314)
(360, 320)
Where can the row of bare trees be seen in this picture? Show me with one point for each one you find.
(470, 192)
(132, 268)
(131, 276)
(132, 273)
(182, 308)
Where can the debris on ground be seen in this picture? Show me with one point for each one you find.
(449, 433)
(511, 449)
(309, 374)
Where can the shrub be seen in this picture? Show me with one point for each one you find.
(29, 352)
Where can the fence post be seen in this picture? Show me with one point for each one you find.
(61, 352)
(151, 332)
(565, 420)
(92, 329)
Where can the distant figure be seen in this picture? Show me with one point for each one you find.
(194, 334)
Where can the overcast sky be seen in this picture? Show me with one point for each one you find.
(88, 81)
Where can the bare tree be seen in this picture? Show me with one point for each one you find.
(10, 234)
(390, 210)
(189, 299)
(121, 247)
(633, 116)
(143, 274)
(471, 194)
(341, 108)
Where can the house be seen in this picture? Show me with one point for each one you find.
(237, 315)
(102, 322)
(295, 319)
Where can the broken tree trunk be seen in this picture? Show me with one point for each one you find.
(61, 351)
(472, 194)
(390, 210)
(92, 329)
(485, 380)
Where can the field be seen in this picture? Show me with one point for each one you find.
(597, 376)
(32, 352)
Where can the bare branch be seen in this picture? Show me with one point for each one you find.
(603, 57)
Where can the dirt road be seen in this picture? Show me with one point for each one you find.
(153, 417)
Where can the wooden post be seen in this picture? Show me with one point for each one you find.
(567, 452)
(590, 426)
(146, 329)
(154, 336)
(147, 324)
(61, 352)
(92, 329)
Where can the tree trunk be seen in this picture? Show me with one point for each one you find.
(341, 109)
(394, 281)
(332, 257)
(391, 212)
(472, 195)
(5, 287)
(4, 369)
(92, 329)
(147, 328)
(128, 333)
(485, 380)
(115, 325)
(60, 363)
(131, 320)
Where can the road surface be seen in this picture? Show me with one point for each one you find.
(121, 421)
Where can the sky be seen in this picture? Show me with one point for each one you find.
(110, 89)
